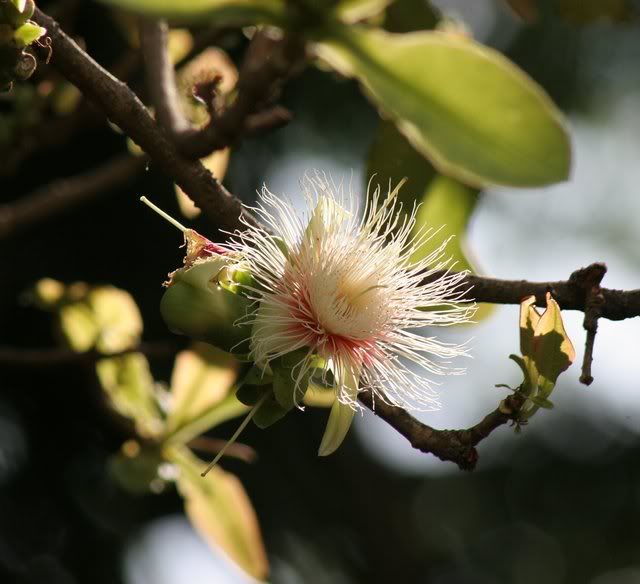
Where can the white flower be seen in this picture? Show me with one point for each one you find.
(342, 287)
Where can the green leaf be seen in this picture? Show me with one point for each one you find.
(202, 378)
(218, 507)
(28, 33)
(269, 413)
(466, 107)
(218, 12)
(340, 416)
(103, 318)
(553, 351)
(529, 319)
(128, 383)
(291, 376)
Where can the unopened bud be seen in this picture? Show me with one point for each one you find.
(196, 305)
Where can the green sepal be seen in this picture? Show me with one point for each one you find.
(249, 394)
(269, 413)
(289, 387)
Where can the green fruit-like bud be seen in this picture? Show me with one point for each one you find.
(197, 306)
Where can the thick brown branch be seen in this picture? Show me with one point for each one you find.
(64, 194)
(570, 294)
(457, 446)
(124, 109)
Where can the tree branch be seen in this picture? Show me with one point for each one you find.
(570, 294)
(457, 446)
(124, 108)
(44, 358)
(161, 82)
(63, 194)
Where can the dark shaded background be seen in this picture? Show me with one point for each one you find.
(536, 517)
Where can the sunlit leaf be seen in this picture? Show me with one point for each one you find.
(553, 351)
(117, 318)
(219, 508)
(529, 319)
(28, 33)
(202, 380)
(469, 109)
(128, 383)
(218, 12)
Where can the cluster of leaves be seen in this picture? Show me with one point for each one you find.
(17, 33)
(106, 321)
(546, 351)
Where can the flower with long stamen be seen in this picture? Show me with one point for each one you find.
(338, 287)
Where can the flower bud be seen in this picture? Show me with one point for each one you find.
(196, 305)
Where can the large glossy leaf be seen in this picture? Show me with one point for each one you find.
(219, 508)
(469, 109)
(218, 12)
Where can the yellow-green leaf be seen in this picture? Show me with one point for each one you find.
(466, 107)
(128, 383)
(529, 319)
(218, 12)
(28, 33)
(202, 387)
(553, 351)
(219, 508)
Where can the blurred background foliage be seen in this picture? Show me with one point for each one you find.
(559, 503)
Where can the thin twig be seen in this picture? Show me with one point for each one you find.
(457, 446)
(64, 194)
(589, 280)
(56, 357)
